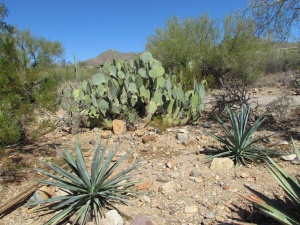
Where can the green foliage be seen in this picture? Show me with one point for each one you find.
(139, 88)
(88, 193)
(281, 57)
(290, 212)
(10, 131)
(215, 49)
(239, 142)
(26, 78)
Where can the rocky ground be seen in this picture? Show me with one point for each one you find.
(179, 185)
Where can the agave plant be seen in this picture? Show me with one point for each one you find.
(87, 193)
(239, 141)
(272, 207)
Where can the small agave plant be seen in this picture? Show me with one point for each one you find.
(286, 214)
(239, 141)
(87, 193)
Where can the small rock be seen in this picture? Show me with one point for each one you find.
(141, 220)
(198, 180)
(207, 124)
(174, 175)
(139, 133)
(183, 131)
(191, 209)
(161, 205)
(171, 164)
(112, 217)
(162, 179)
(105, 134)
(47, 190)
(119, 127)
(146, 199)
(278, 142)
(95, 129)
(131, 127)
(92, 142)
(210, 215)
(244, 175)
(226, 187)
(168, 187)
(145, 186)
(148, 138)
(220, 218)
(296, 161)
(66, 129)
(195, 173)
(289, 157)
(221, 164)
(38, 196)
(183, 137)
(115, 158)
(204, 137)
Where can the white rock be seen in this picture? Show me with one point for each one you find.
(289, 157)
(168, 187)
(221, 164)
(191, 209)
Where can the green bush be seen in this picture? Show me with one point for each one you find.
(10, 131)
(216, 49)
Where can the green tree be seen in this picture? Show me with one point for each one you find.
(205, 48)
(38, 57)
(26, 80)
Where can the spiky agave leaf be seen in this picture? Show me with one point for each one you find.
(239, 140)
(290, 187)
(88, 192)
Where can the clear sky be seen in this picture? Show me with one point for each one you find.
(88, 28)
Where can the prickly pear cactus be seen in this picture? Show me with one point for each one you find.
(137, 88)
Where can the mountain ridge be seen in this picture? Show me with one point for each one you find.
(108, 56)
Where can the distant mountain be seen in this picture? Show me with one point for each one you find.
(108, 56)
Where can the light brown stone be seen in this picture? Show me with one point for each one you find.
(145, 186)
(47, 190)
(221, 164)
(105, 134)
(148, 138)
(119, 127)
(171, 164)
(139, 133)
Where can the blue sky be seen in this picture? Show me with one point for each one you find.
(88, 28)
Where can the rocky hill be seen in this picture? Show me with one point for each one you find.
(108, 56)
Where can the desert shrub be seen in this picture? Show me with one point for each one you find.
(280, 59)
(43, 127)
(26, 62)
(10, 131)
(275, 79)
(283, 107)
(295, 84)
(234, 94)
(216, 49)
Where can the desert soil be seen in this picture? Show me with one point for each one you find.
(179, 187)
